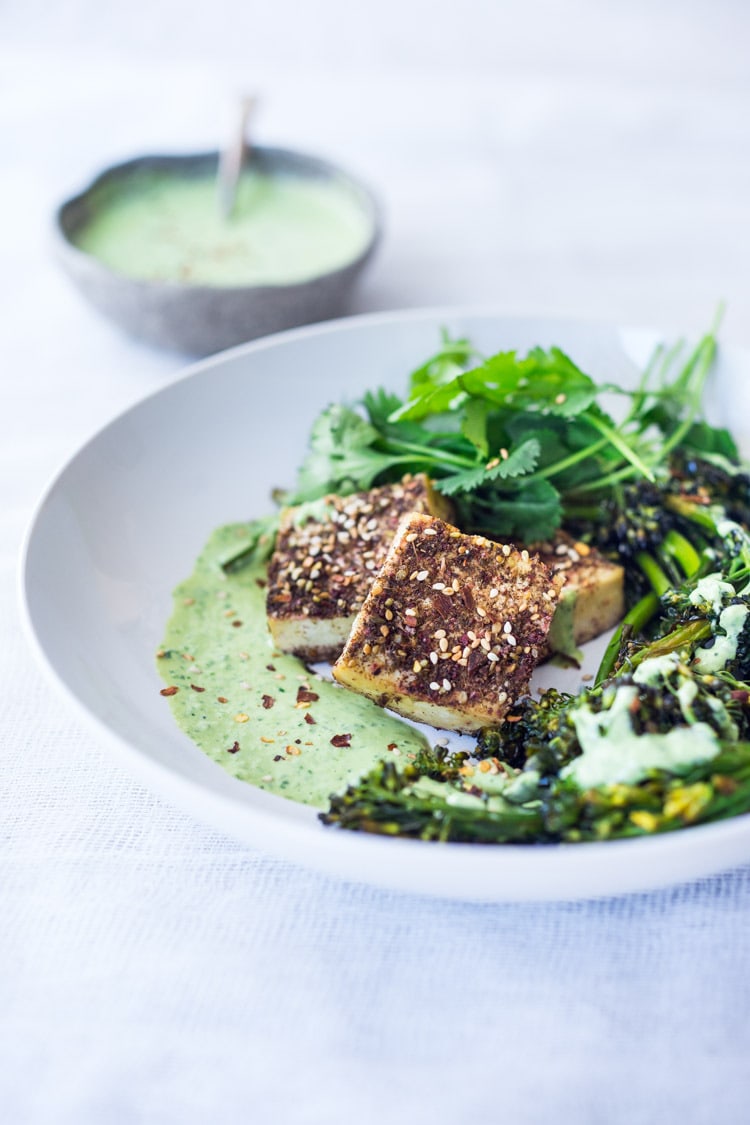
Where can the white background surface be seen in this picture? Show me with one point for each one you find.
(584, 159)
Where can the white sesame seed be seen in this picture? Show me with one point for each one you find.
(494, 592)
(430, 531)
(481, 612)
(507, 627)
(502, 696)
(492, 657)
(446, 685)
(433, 658)
(434, 686)
(421, 575)
(438, 585)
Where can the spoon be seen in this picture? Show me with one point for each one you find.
(233, 158)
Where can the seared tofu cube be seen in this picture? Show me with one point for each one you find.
(327, 555)
(593, 593)
(452, 627)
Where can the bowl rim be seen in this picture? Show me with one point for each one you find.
(69, 252)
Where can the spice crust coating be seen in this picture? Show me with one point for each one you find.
(327, 555)
(452, 627)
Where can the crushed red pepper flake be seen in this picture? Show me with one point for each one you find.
(268, 702)
(169, 690)
(309, 719)
(278, 757)
(236, 624)
(195, 687)
(221, 699)
(393, 746)
(341, 740)
(261, 583)
(233, 748)
(306, 696)
(271, 667)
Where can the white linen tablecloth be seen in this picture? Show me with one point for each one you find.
(588, 160)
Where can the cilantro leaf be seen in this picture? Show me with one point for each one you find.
(520, 461)
(341, 456)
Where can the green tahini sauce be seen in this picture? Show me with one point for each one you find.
(167, 226)
(248, 706)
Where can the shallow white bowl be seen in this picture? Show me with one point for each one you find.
(125, 518)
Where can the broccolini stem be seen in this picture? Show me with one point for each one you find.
(634, 621)
(683, 552)
(656, 576)
(686, 636)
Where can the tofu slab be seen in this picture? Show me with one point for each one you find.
(327, 555)
(593, 593)
(452, 627)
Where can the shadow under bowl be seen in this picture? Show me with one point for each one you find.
(200, 319)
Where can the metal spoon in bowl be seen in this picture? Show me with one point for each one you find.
(233, 158)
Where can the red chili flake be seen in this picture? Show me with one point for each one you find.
(341, 740)
(221, 699)
(309, 719)
(278, 757)
(443, 605)
(268, 702)
(169, 690)
(233, 748)
(271, 667)
(261, 582)
(236, 624)
(306, 696)
(393, 746)
(196, 688)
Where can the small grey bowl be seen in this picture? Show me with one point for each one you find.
(201, 319)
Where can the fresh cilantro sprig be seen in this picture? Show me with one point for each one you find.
(516, 441)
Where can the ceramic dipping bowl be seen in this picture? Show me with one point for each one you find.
(183, 310)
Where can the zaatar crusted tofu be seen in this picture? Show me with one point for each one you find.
(593, 594)
(326, 557)
(452, 627)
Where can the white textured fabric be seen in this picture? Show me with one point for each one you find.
(153, 970)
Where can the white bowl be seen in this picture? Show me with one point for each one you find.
(125, 518)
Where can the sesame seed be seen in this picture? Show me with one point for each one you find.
(506, 549)
(507, 627)
(434, 686)
(388, 615)
(421, 575)
(433, 658)
(494, 592)
(439, 633)
(429, 531)
(416, 666)
(446, 685)
(438, 585)
(481, 612)
(492, 657)
(411, 537)
(241, 717)
(443, 644)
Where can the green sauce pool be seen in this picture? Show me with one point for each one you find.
(263, 716)
(165, 225)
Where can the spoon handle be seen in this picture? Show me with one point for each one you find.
(233, 157)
